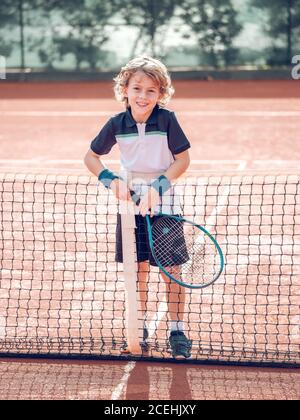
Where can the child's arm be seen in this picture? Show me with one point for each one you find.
(178, 167)
(94, 165)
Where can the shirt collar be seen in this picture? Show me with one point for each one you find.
(130, 122)
(129, 119)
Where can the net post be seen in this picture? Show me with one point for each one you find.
(130, 276)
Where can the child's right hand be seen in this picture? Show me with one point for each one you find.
(120, 190)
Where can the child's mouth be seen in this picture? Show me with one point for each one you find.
(141, 105)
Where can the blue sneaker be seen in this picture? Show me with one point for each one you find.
(180, 345)
(144, 344)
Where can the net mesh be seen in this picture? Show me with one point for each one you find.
(62, 293)
(187, 253)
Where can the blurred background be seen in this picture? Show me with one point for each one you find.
(99, 35)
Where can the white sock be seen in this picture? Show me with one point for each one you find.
(176, 326)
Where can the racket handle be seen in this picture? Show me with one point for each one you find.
(135, 197)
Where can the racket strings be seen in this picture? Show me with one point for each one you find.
(185, 251)
(168, 241)
(204, 262)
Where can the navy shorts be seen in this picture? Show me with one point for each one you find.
(142, 243)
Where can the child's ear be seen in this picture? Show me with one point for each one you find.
(125, 91)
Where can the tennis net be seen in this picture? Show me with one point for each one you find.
(63, 294)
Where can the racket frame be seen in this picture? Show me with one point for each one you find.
(203, 230)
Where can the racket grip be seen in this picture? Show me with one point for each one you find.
(135, 197)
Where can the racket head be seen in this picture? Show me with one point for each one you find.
(186, 252)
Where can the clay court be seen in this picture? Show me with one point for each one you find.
(240, 131)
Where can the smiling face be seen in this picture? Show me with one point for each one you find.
(143, 93)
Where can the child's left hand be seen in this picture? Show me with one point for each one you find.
(149, 202)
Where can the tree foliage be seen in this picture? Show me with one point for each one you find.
(84, 31)
(283, 28)
(78, 31)
(8, 17)
(71, 27)
(152, 18)
(214, 24)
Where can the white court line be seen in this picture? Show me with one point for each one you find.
(163, 306)
(114, 161)
(222, 200)
(43, 161)
(257, 114)
(157, 318)
(89, 114)
(56, 113)
(239, 164)
(283, 163)
(117, 392)
(218, 209)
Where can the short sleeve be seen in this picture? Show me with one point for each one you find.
(178, 141)
(105, 140)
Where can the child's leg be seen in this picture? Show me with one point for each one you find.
(176, 296)
(179, 343)
(143, 277)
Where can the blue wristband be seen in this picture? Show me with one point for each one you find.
(161, 185)
(106, 177)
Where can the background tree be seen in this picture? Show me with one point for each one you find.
(152, 18)
(82, 32)
(283, 28)
(8, 18)
(73, 27)
(86, 30)
(214, 25)
(16, 14)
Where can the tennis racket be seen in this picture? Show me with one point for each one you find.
(185, 252)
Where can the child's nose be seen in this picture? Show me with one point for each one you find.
(142, 94)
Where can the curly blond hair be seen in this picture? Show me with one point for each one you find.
(152, 68)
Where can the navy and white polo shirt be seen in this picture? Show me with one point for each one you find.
(148, 147)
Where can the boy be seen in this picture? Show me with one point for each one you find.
(153, 147)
